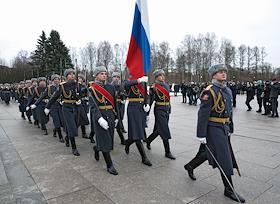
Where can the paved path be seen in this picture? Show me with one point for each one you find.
(38, 169)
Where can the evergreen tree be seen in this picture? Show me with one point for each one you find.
(51, 55)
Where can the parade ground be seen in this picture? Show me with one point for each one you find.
(35, 168)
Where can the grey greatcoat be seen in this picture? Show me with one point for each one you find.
(104, 138)
(42, 94)
(67, 91)
(217, 134)
(135, 113)
(161, 111)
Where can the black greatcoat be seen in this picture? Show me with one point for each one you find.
(104, 138)
(135, 113)
(216, 134)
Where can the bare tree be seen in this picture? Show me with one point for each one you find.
(210, 44)
(90, 52)
(104, 54)
(241, 56)
(181, 63)
(249, 58)
(256, 57)
(164, 57)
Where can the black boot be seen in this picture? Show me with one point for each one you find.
(29, 120)
(60, 135)
(228, 192)
(96, 153)
(150, 139)
(196, 161)
(128, 142)
(168, 154)
(45, 132)
(190, 171)
(84, 134)
(259, 111)
(54, 132)
(67, 141)
(141, 150)
(120, 133)
(74, 147)
(110, 167)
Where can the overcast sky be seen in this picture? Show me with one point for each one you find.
(251, 22)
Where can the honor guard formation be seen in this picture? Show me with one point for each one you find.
(69, 100)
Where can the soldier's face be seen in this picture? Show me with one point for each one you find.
(56, 81)
(161, 78)
(42, 83)
(34, 83)
(81, 80)
(116, 79)
(71, 76)
(102, 76)
(220, 76)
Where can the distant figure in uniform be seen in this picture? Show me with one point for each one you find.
(27, 96)
(102, 99)
(42, 99)
(56, 109)
(233, 89)
(116, 82)
(266, 101)
(215, 126)
(83, 109)
(259, 93)
(250, 93)
(160, 94)
(184, 92)
(274, 92)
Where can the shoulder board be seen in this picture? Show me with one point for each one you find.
(62, 83)
(208, 87)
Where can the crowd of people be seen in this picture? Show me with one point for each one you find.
(266, 93)
(73, 103)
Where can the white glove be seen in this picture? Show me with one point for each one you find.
(16, 101)
(123, 101)
(78, 102)
(202, 140)
(33, 106)
(47, 111)
(229, 134)
(27, 108)
(18, 104)
(116, 122)
(142, 79)
(146, 108)
(103, 123)
(147, 118)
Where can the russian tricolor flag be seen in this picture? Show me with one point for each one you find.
(138, 57)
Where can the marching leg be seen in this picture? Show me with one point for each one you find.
(74, 147)
(142, 152)
(110, 167)
(168, 154)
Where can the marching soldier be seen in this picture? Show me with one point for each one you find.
(40, 92)
(83, 108)
(116, 81)
(67, 91)
(103, 104)
(136, 114)
(215, 126)
(160, 94)
(34, 85)
(55, 110)
(20, 99)
(27, 96)
(6, 93)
